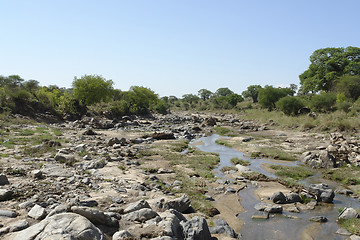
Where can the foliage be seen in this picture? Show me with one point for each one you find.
(290, 105)
(234, 98)
(140, 99)
(269, 95)
(223, 92)
(252, 92)
(242, 162)
(349, 86)
(297, 173)
(323, 102)
(327, 65)
(204, 94)
(90, 89)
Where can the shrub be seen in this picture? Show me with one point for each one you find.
(323, 102)
(289, 105)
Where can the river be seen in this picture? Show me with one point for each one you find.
(281, 226)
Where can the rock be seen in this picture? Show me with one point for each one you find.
(326, 159)
(122, 235)
(342, 231)
(37, 212)
(64, 158)
(278, 197)
(62, 226)
(29, 203)
(179, 204)
(59, 209)
(163, 136)
(348, 213)
(18, 226)
(171, 224)
(113, 141)
(90, 132)
(88, 203)
(4, 230)
(197, 228)
(3, 180)
(318, 219)
(222, 227)
(5, 194)
(7, 213)
(354, 237)
(141, 215)
(36, 174)
(261, 206)
(95, 216)
(322, 192)
(137, 206)
(274, 209)
(344, 191)
(293, 198)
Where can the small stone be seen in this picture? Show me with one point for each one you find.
(263, 215)
(5, 194)
(7, 213)
(19, 225)
(37, 212)
(318, 219)
(3, 180)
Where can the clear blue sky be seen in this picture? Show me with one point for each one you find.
(172, 47)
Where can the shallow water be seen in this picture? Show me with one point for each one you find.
(280, 226)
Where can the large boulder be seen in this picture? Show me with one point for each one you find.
(348, 213)
(141, 215)
(137, 206)
(279, 198)
(179, 204)
(322, 192)
(222, 227)
(62, 226)
(5, 194)
(197, 229)
(95, 216)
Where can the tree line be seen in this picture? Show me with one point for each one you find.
(332, 81)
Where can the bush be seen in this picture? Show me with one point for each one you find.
(324, 102)
(290, 105)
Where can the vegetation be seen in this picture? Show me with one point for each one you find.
(242, 162)
(351, 225)
(270, 152)
(296, 173)
(347, 176)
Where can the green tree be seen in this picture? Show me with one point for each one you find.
(252, 92)
(327, 65)
(349, 86)
(190, 98)
(323, 102)
(223, 92)
(290, 105)
(269, 95)
(234, 98)
(141, 99)
(31, 85)
(90, 89)
(204, 94)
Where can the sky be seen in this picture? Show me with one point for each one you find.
(173, 47)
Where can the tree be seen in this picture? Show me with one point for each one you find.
(290, 105)
(31, 85)
(269, 95)
(252, 92)
(234, 98)
(204, 94)
(327, 65)
(190, 98)
(90, 89)
(223, 92)
(323, 102)
(141, 99)
(349, 86)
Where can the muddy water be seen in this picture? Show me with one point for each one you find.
(280, 226)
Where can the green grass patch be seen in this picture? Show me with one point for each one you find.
(227, 168)
(351, 225)
(270, 152)
(242, 162)
(345, 175)
(57, 132)
(224, 143)
(222, 130)
(296, 173)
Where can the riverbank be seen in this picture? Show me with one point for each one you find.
(74, 167)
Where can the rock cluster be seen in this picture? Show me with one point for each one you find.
(339, 153)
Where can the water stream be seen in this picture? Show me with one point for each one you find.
(280, 226)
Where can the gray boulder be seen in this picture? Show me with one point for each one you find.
(141, 215)
(137, 206)
(197, 229)
(62, 226)
(3, 180)
(222, 227)
(171, 224)
(95, 216)
(322, 192)
(18, 226)
(348, 213)
(122, 235)
(37, 212)
(293, 198)
(5, 194)
(7, 213)
(274, 209)
(179, 204)
(279, 198)
(318, 219)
